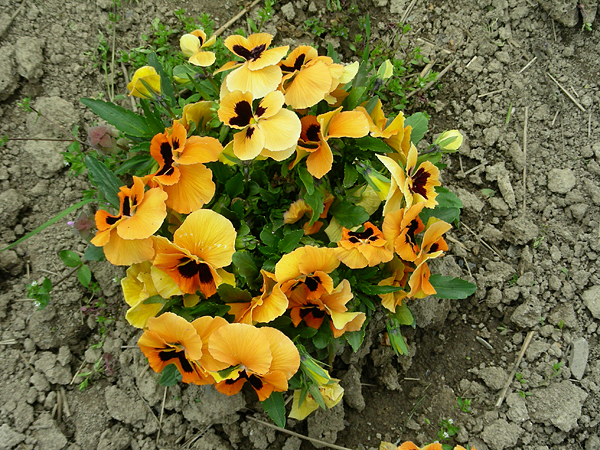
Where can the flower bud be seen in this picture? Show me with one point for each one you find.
(450, 141)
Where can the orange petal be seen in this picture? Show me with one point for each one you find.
(258, 82)
(238, 343)
(319, 163)
(200, 149)
(248, 143)
(202, 59)
(122, 252)
(194, 189)
(309, 86)
(281, 130)
(148, 217)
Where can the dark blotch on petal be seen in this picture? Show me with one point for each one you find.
(112, 220)
(257, 51)
(260, 110)
(243, 114)
(126, 206)
(420, 181)
(255, 382)
(434, 247)
(169, 355)
(312, 283)
(312, 133)
(167, 154)
(363, 234)
(249, 132)
(297, 64)
(242, 51)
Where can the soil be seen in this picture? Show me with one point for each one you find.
(529, 237)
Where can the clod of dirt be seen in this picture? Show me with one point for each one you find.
(567, 13)
(561, 181)
(494, 377)
(9, 438)
(527, 314)
(8, 77)
(11, 204)
(579, 357)
(517, 411)
(325, 424)
(353, 389)
(47, 433)
(206, 406)
(591, 299)
(520, 231)
(90, 417)
(559, 405)
(29, 56)
(501, 434)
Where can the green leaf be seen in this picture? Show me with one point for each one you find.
(348, 215)
(451, 288)
(70, 258)
(274, 406)
(166, 87)
(316, 201)
(419, 122)
(138, 165)
(396, 339)
(350, 176)
(447, 199)
(107, 182)
(290, 241)
(235, 185)
(323, 336)
(122, 119)
(373, 145)
(245, 265)
(232, 294)
(404, 315)
(93, 253)
(371, 289)
(307, 179)
(316, 395)
(52, 221)
(84, 274)
(356, 94)
(169, 376)
(449, 215)
(355, 338)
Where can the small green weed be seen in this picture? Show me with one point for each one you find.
(464, 404)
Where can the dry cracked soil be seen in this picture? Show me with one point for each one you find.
(529, 238)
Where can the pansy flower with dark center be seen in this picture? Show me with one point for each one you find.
(307, 77)
(264, 357)
(202, 245)
(170, 339)
(358, 249)
(125, 238)
(259, 74)
(333, 305)
(400, 272)
(401, 228)
(411, 446)
(193, 45)
(181, 170)
(316, 131)
(268, 126)
(410, 184)
(433, 246)
(306, 270)
(263, 308)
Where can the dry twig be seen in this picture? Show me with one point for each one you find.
(525, 156)
(291, 433)
(567, 93)
(488, 246)
(528, 64)
(431, 83)
(492, 93)
(514, 371)
(236, 17)
(407, 11)
(162, 411)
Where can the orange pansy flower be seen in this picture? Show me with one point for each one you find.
(314, 310)
(181, 172)
(269, 126)
(204, 243)
(259, 74)
(305, 270)
(411, 446)
(264, 308)
(265, 357)
(170, 339)
(316, 131)
(399, 277)
(192, 45)
(400, 229)
(357, 249)
(379, 125)
(125, 237)
(411, 184)
(307, 77)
